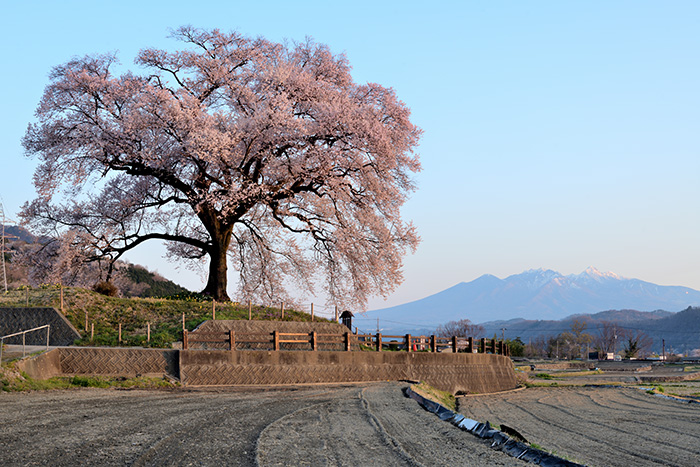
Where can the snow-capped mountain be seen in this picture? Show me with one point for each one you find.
(534, 294)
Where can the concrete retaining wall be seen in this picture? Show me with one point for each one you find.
(102, 361)
(456, 373)
(14, 320)
(43, 366)
(465, 373)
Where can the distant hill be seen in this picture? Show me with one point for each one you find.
(532, 295)
(134, 280)
(681, 330)
(153, 285)
(15, 232)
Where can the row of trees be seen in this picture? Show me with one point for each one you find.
(575, 343)
(608, 338)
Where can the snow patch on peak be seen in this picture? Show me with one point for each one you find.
(592, 273)
(534, 278)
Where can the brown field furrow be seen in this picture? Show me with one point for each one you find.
(566, 435)
(598, 426)
(635, 421)
(637, 400)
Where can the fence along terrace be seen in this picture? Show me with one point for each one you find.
(315, 341)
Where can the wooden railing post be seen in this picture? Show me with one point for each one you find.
(347, 341)
(314, 342)
(454, 344)
(433, 344)
(184, 339)
(470, 345)
(493, 345)
(379, 342)
(276, 340)
(482, 345)
(232, 340)
(408, 342)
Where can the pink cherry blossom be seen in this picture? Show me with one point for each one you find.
(267, 155)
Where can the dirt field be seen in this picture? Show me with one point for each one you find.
(344, 425)
(597, 426)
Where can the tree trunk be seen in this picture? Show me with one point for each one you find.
(218, 265)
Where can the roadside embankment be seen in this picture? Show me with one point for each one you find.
(456, 373)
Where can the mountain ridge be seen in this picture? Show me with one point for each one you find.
(535, 294)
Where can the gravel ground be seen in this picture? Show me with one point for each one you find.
(598, 426)
(372, 424)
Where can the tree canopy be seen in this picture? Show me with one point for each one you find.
(266, 154)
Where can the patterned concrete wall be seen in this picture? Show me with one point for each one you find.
(101, 361)
(464, 373)
(457, 373)
(123, 362)
(14, 320)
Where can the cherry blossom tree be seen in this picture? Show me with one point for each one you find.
(266, 154)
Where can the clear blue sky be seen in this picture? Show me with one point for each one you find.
(557, 134)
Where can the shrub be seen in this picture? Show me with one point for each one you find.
(106, 288)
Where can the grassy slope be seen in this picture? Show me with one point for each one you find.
(164, 315)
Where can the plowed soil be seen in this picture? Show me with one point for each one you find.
(357, 425)
(597, 426)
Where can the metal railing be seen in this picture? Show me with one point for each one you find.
(24, 340)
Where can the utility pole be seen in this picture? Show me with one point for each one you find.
(663, 349)
(3, 237)
(2, 248)
(503, 334)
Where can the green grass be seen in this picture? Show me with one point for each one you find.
(134, 314)
(544, 376)
(579, 373)
(552, 452)
(443, 398)
(553, 384)
(14, 381)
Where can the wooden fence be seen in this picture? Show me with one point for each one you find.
(314, 341)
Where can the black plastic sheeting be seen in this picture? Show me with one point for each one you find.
(499, 440)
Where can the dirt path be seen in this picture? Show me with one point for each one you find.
(342, 425)
(598, 426)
